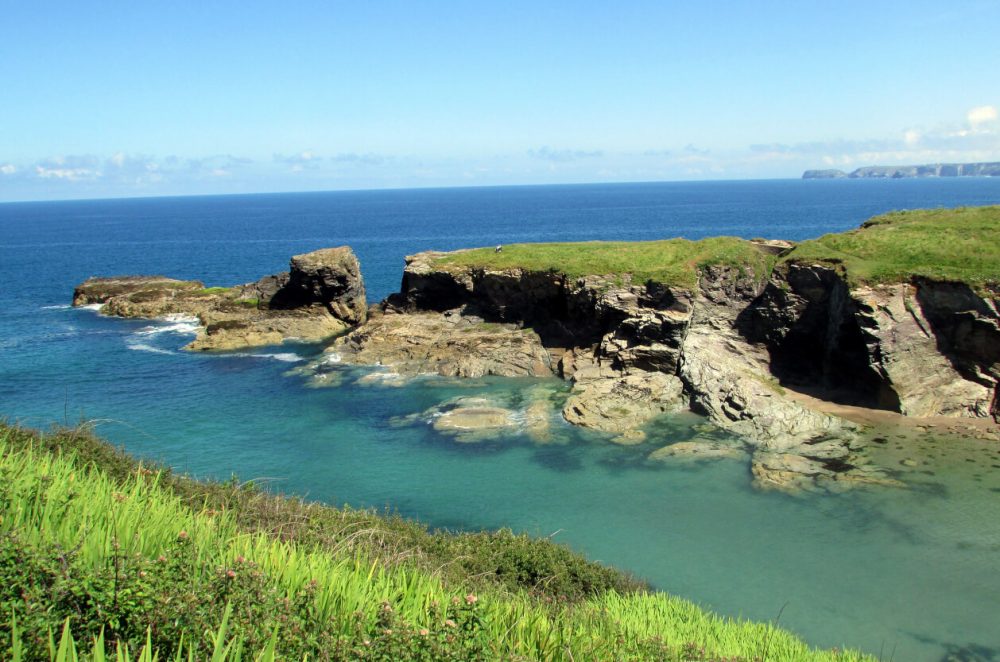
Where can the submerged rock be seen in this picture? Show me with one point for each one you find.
(474, 419)
(697, 450)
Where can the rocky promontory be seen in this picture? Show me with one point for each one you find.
(728, 328)
(321, 295)
(901, 315)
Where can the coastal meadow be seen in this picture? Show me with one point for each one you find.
(94, 562)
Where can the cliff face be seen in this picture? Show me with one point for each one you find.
(923, 348)
(631, 350)
(724, 348)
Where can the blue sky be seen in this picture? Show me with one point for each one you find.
(146, 98)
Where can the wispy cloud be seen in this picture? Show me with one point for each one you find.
(216, 163)
(306, 160)
(563, 155)
(977, 138)
(71, 168)
(363, 159)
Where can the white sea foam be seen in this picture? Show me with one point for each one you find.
(143, 347)
(332, 357)
(93, 306)
(180, 317)
(184, 327)
(61, 306)
(289, 357)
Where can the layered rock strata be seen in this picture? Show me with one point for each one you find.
(321, 295)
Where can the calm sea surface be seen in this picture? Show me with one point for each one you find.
(913, 571)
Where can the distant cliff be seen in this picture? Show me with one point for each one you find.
(898, 172)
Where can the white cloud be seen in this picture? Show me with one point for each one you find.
(69, 174)
(563, 155)
(981, 115)
(8, 169)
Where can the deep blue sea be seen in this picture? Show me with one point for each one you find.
(913, 574)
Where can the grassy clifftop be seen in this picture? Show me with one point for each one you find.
(942, 244)
(673, 262)
(98, 549)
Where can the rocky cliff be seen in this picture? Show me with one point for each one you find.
(735, 343)
(902, 314)
(320, 296)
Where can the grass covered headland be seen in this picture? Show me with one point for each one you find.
(673, 262)
(103, 555)
(960, 245)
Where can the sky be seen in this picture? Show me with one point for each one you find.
(117, 99)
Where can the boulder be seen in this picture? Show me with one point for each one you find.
(329, 277)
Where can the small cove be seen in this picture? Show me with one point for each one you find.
(913, 570)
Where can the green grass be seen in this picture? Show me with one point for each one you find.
(941, 244)
(98, 549)
(673, 262)
(214, 290)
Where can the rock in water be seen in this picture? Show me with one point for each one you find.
(322, 295)
(330, 277)
(623, 404)
(451, 345)
(141, 296)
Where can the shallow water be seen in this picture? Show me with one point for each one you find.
(913, 571)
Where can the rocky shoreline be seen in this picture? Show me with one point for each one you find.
(729, 347)
(320, 296)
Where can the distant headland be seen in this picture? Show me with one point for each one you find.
(991, 169)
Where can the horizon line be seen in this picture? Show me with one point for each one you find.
(421, 188)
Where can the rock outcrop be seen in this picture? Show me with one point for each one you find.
(726, 348)
(922, 348)
(726, 334)
(322, 295)
(449, 344)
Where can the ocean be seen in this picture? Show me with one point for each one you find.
(911, 573)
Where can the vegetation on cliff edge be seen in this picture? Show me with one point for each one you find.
(673, 262)
(100, 549)
(960, 244)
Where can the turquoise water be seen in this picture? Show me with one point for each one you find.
(914, 571)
